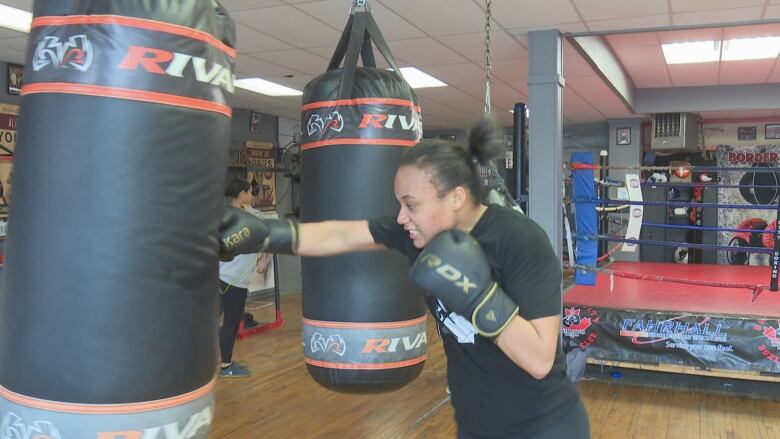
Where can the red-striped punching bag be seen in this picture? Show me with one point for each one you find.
(364, 324)
(108, 317)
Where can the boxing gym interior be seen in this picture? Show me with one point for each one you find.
(643, 137)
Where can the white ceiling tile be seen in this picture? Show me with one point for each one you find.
(772, 12)
(456, 74)
(718, 16)
(575, 65)
(289, 25)
(685, 35)
(635, 39)
(250, 40)
(424, 52)
(235, 5)
(512, 70)
(746, 72)
(440, 17)
(653, 76)
(529, 13)
(641, 56)
(756, 30)
(521, 33)
(444, 94)
(684, 75)
(608, 9)
(296, 59)
(390, 24)
(708, 5)
(472, 46)
(633, 23)
(248, 66)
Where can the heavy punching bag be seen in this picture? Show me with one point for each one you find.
(364, 324)
(108, 306)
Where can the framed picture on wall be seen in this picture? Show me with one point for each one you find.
(623, 136)
(15, 75)
(772, 131)
(254, 122)
(746, 133)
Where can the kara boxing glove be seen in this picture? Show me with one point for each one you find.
(241, 232)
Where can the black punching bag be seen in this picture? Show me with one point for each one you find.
(364, 324)
(108, 306)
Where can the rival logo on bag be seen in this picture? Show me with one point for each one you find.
(333, 121)
(75, 53)
(14, 427)
(405, 122)
(163, 62)
(334, 343)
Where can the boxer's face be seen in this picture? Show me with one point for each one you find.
(423, 213)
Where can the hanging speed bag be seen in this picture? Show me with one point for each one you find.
(108, 318)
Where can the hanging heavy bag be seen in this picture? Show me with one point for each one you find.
(108, 320)
(364, 324)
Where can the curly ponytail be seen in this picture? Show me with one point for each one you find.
(453, 164)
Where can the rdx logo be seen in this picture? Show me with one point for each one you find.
(448, 272)
(163, 62)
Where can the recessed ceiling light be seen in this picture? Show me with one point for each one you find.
(419, 79)
(267, 88)
(16, 19)
(751, 48)
(691, 52)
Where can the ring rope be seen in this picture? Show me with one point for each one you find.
(756, 289)
(585, 166)
(676, 204)
(762, 250)
(710, 185)
(705, 228)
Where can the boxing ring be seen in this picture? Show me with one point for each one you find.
(702, 319)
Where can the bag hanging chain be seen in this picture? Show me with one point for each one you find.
(488, 66)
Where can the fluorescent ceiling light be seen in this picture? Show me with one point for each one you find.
(16, 19)
(699, 51)
(267, 88)
(420, 79)
(751, 48)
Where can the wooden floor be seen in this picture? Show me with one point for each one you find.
(282, 401)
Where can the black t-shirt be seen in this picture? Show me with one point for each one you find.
(492, 396)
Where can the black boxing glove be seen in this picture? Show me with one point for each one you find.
(453, 268)
(241, 232)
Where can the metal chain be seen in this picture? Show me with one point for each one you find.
(488, 66)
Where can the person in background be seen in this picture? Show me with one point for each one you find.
(234, 276)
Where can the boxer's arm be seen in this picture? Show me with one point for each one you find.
(335, 237)
(531, 344)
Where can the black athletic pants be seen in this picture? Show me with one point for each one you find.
(232, 303)
(571, 424)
